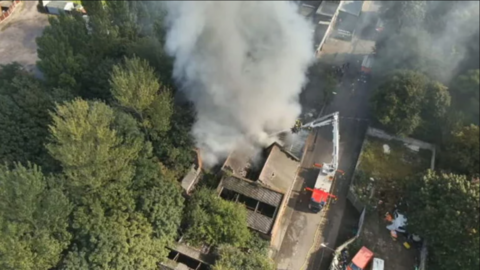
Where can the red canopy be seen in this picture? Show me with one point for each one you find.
(363, 257)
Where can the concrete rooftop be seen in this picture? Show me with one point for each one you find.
(279, 170)
(352, 7)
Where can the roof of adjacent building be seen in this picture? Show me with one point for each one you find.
(306, 10)
(328, 8)
(6, 4)
(352, 7)
(57, 4)
(192, 176)
(275, 167)
(189, 179)
(240, 160)
(250, 189)
(280, 169)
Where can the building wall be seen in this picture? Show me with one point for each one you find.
(6, 14)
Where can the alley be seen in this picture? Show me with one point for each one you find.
(301, 246)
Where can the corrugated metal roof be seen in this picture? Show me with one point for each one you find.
(259, 222)
(253, 190)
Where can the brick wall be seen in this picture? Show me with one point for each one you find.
(5, 15)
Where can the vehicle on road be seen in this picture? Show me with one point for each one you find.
(57, 7)
(379, 26)
(326, 176)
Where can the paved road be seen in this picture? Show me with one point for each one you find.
(18, 33)
(300, 249)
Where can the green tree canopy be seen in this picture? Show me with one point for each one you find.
(436, 105)
(134, 84)
(444, 209)
(63, 50)
(33, 219)
(94, 155)
(159, 198)
(215, 221)
(24, 105)
(398, 101)
(461, 153)
(232, 258)
(113, 239)
(465, 92)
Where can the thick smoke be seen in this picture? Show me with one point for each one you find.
(435, 37)
(243, 65)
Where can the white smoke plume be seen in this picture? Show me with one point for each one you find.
(243, 65)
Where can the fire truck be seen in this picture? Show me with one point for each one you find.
(323, 184)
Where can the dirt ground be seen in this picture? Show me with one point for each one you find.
(18, 33)
(376, 237)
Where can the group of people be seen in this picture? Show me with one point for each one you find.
(344, 258)
(340, 71)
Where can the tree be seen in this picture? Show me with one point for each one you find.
(398, 101)
(134, 84)
(151, 49)
(175, 148)
(33, 219)
(435, 106)
(24, 105)
(158, 198)
(461, 152)
(95, 156)
(113, 239)
(215, 221)
(445, 211)
(63, 50)
(465, 93)
(232, 258)
(401, 14)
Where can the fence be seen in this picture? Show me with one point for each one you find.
(10, 10)
(335, 265)
(353, 198)
(409, 141)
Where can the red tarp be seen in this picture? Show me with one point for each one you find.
(363, 257)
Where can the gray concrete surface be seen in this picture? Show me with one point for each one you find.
(18, 33)
(306, 231)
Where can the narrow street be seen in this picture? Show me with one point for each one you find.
(301, 247)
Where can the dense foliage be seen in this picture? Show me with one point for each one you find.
(94, 153)
(406, 100)
(461, 153)
(112, 202)
(232, 258)
(215, 221)
(426, 69)
(445, 210)
(33, 219)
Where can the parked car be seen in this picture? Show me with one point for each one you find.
(379, 26)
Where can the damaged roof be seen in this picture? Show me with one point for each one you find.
(275, 167)
(252, 190)
(255, 220)
(239, 161)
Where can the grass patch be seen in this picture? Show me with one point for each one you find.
(390, 171)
